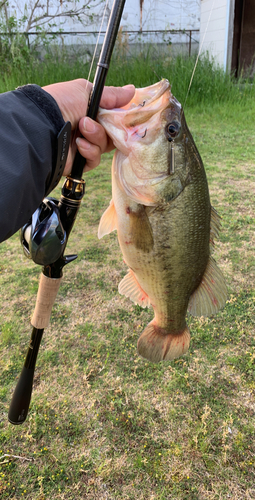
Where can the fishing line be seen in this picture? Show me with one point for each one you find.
(97, 42)
(94, 56)
(198, 55)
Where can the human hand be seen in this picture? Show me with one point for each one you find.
(72, 98)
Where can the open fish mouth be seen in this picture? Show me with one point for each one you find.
(146, 96)
(146, 103)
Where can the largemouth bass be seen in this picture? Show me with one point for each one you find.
(161, 210)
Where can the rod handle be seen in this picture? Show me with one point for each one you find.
(21, 397)
(46, 296)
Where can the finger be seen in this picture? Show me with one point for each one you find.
(91, 152)
(94, 133)
(116, 97)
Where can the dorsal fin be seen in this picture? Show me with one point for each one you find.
(214, 227)
(211, 294)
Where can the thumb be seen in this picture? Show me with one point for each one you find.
(116, 97)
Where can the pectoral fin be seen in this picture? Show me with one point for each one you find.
(211, 294)
(130, 287)
(108, 222)
(140, 229)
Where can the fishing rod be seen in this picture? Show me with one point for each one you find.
(47, 247)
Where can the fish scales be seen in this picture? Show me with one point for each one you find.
(161, 209)
(175, 265)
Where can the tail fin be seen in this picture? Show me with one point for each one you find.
(157, 346)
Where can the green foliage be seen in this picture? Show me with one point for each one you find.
(21, 55)
(15, 54)
(211, 85)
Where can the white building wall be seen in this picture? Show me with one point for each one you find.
(215, 19)
(162, 14)
(157, 14)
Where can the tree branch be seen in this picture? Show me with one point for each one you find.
(30, 20)
(82, 14)
(46, 18)
(3, 3)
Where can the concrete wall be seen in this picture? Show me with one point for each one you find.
(216, 30)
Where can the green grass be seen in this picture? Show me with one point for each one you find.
(210, 84)
(103, 422)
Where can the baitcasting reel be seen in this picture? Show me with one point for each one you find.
(43, 237)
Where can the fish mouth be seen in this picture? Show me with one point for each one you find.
(146, 96)
(142, 114)
(146, 102)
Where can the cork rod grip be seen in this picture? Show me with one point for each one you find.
(47, 292)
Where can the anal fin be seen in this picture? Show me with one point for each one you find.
(211, 294)
(130, 287)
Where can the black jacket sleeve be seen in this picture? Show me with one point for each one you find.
(30, 123)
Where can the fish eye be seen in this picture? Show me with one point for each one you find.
(172, 130)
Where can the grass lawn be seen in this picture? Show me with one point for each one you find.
(103, 422)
